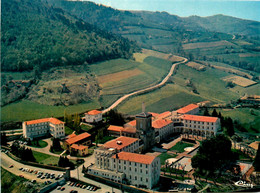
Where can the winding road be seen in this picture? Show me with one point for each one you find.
(115, 104)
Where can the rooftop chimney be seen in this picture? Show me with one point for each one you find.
(143, 107)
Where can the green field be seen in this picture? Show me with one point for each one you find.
(208, 83)
(245, 117)
(180, 146)
(112, 66)
(153, 70)
(27, 110)
(169, 97)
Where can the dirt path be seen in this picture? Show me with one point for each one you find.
(115, 104)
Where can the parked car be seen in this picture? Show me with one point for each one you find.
(11, 166)
(63, 188)
(59, 187)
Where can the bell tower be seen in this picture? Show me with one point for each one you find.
(144, 128)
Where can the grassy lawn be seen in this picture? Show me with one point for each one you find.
(11, 183)
(164, 156)
(167, 98)
(180, 146)
(45, 158)
(85, 127)
(39, 144)
(26, 110)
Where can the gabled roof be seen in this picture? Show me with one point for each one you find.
(199, 118)
(187, 108)
(164, 114)
(159, 123)
(129, 130)
(131, 123)
(134, 157)
(120, 142)
(72, 135)
(78, 138)
(93, 112)
(114, 128)
(51, 120)
(79, 147)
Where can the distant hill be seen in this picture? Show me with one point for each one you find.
(226, 24)
(38, 36)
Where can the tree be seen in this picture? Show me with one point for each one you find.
(214, 113)
(206, 112)
(76, 124)
(56, 144)
(214, 154)
(230, 127)
(256, 163)
(3, 139)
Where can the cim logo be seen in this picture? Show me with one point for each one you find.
(243, 184)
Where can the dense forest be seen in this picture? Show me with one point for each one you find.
(38, 36)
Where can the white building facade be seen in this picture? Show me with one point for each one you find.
(42, 127)
(125, 167)
(93, 116)
(197, 125)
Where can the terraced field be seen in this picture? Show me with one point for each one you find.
(131, 77)
(207, 44)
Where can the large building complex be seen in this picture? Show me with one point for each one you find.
(43, 127)
(183, 120)
(126, 167)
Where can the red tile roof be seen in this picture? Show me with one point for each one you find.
(51, 120)
(132, 123)
(79, 147)
(93, 112)
(200, 118)
(154, 114)
(187, 108)
(134, 157)
(114, 128)
(72, 135)
(78, 138)
(129, 130)
(159, 123)
(164, 114)
(124, 142)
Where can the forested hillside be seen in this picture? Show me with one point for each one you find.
(217, 38)
(38, 36)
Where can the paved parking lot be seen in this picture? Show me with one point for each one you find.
(69, 188)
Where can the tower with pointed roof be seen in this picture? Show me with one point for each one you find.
(144, 129)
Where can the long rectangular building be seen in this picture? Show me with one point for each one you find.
(126, 167)
(42, 127)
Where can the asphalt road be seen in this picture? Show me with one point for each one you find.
(146, 89)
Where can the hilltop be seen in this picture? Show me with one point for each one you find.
(231, 40)
(38, 36)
